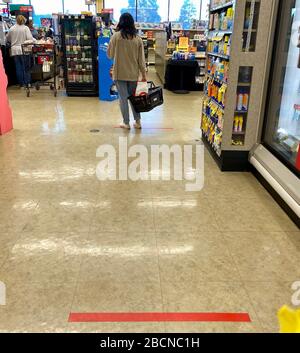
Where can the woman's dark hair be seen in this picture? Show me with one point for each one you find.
(126, 26)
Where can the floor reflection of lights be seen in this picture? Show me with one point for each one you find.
(52, 245)
(169, 203)
(27, 205)
(55, 175)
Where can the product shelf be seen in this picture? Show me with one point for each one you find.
(237, 133)
(222, 82)
(216, 33)
(214, 121)
(242, 78)
(241, 112)
(222, 7)
(244, 84)
(216, 151)
(222, 56)
(215, 102)
(80, 70)
(78, 35)
(84, 60)
(213, 125)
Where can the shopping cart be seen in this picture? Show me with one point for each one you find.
(41, 61)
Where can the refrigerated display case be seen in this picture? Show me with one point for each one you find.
(80, 55)
(282, 130)
(277, 158)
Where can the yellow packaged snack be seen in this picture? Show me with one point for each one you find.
(289, 320)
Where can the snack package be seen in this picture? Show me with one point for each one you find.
(289, 320)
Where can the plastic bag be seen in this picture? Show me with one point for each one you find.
(46, 66)
(142, 89)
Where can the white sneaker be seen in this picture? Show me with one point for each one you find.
(125, 126)
(137, 125)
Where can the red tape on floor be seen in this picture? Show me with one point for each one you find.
(159, 317)
(150, 128)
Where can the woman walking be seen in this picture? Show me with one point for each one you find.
(18, 35)
(127, 50)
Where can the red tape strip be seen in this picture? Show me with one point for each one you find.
(150, 128)
(159, 317)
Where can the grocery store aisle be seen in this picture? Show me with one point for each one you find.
(70, 243)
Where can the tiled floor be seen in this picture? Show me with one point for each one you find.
(70, 243)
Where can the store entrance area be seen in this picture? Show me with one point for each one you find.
(72, 244)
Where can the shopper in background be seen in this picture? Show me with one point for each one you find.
(18, 35)
(49, 33)
(127, 50)
(33, 30)
(111, 27)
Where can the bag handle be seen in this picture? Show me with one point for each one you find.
(151, 83)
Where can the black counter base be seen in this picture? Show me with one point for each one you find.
(9, 67)
(81, 94)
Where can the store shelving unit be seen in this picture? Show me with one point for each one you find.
(149, 40)
(162, 56)
(79, 46)
(223, 5)
(234, 86)
(201, 45)
(217, 55)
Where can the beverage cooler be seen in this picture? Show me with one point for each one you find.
(277, 158)
(80, 55)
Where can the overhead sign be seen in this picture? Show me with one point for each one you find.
(110, 11)
(26, 8)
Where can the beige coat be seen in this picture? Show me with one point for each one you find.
(129, 57)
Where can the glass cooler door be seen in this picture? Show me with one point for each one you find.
(79, 51)
(282, 128)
